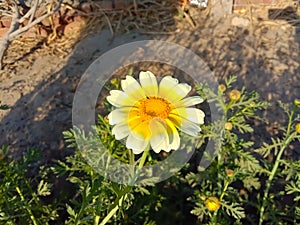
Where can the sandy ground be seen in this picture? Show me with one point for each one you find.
(39, 86)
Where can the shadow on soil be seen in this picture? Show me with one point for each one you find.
(264, 58)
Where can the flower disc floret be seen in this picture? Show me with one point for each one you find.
(148, 113)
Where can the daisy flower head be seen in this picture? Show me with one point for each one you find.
(150, 113)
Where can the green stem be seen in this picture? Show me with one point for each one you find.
(114, 210)
(229, 105)
(222, 103)
(214, 219)
(287, 141)
(26, 207)
(290, 120)
(224, 190)
(143, 158)
(96, 220)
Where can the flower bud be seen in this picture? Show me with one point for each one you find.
(235, 95)
(297, 102)
(222, 88)
(228, 126)
(229, 173)
(212, 203)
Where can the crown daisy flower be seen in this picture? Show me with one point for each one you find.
(149, 114)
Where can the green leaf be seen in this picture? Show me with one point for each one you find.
(234, 209)
(71, 211)
(43, 188)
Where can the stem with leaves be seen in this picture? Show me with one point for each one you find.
(287, 140)
(119, 201)
(26, 207)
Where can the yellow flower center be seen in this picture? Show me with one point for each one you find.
(145, 110)
(152, 107)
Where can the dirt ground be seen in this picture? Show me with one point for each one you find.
(40, 80)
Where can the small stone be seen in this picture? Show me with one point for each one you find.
(271, 34)
(240, 22)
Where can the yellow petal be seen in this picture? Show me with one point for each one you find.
(174, 138)
(159, 139)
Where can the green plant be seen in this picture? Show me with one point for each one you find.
(221, 191)
(98, 200)
(228, 190)
(23, 191)
(282, 170)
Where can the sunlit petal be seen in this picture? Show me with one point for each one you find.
(121, 130)
(192, 114)
(149, 83)
(120, 99)
(189, 101)
(190, 128)
(178, 92)
(118, 115)
(137, 143)
(174, 139)
(132, 88)
(166, 85)
(185, 125)
(159, 139)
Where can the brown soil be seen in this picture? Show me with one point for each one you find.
(39, 80)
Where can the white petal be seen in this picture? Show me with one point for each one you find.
(121, 130)
(119, 98)
(118, 115)
(178, 92)
(132, 88)
(174, 138)
(166, 85)
(159, 139)
(189, 128)
(137, 143)
(184, 125)
(149, 83)
(189, 101)
(192, 114)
